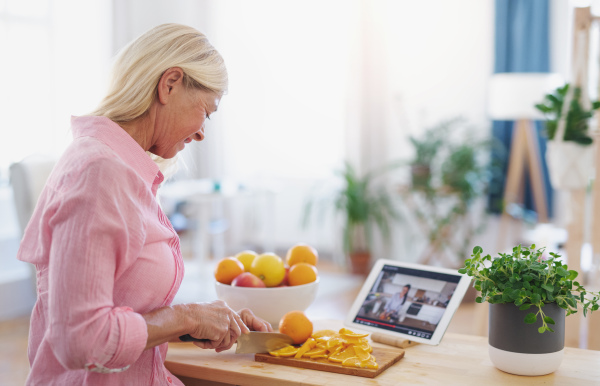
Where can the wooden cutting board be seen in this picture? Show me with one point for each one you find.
(385, 358)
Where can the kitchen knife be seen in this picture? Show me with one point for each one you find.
(254, 342)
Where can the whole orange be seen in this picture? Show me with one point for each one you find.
(302, 273)
(227, 269)
(302, 253)
(296, 325)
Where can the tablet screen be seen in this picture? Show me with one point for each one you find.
(416, 301)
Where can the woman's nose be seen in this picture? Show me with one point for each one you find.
(198, 135)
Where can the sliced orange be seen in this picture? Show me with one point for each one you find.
(315, 351)
(351, 334)
(335, 341)
(352, 362)
(361, 353)
(336, 349)
(318, 356)
(369, 364)
(352, 340)
(287, 351)
(306, 347)
(342, 355)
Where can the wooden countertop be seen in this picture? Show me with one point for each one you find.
(458, 360)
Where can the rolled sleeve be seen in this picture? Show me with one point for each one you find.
(129, 340)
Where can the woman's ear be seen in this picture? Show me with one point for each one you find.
(169, 82)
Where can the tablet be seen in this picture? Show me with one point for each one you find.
(409, 301)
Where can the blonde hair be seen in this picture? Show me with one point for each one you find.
(139, 66)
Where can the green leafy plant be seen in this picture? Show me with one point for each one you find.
(527, 278)
(576, 128)
(363, 204)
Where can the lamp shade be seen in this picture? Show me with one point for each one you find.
(513, 95)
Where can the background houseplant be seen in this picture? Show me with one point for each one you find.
(365, 205)
(458, 172)
(569, 156)
(532, 291)
(577, 119)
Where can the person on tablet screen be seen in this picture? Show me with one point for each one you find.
(393, 308)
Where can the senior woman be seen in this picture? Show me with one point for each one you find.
(108, 261)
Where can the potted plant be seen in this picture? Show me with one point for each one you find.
(426, 148)
(364, 206)
(530, 293)
(569, 154)
(458, 172)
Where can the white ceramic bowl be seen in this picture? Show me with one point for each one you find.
(269, 303)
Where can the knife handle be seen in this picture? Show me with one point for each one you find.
(189, 338)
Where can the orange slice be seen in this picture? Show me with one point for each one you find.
(353, 340)
(335, 341)
(342, 355)
(314, 351)
(369, 364)
(352, 362)
(318, 356)
(361, 353)
(351, 334)
(306, 347)
(287, 351)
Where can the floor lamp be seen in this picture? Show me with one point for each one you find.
(512, 97)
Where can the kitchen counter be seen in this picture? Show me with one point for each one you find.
(458, 360)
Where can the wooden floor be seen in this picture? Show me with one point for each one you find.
(14, 365)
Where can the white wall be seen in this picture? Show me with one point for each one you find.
(312, 82)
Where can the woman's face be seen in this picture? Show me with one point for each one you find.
(182, 120)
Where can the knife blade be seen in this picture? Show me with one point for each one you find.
(254, 342)
(261, 342)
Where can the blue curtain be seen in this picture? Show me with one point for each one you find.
(521, 45)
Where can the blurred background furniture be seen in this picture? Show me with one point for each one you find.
(513, 97)
(27, 179)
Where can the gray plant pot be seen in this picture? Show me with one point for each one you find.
(518, 348)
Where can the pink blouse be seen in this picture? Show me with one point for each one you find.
(105, 253)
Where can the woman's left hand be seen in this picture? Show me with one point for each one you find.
(253, 322)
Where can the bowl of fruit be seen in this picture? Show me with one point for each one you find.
(267, 284)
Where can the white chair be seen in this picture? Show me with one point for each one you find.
(27, 179)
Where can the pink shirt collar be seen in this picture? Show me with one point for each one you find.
(113, 135)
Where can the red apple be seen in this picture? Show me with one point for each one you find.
(247, 279)
(285, 282)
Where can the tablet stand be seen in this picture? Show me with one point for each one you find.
(391, 341)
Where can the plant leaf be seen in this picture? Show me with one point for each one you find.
(530, 318)
(549, 320)
(525, 306)
(548, 287)
(541, 329)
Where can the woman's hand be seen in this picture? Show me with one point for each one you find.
(253, 322)
(215, 322)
